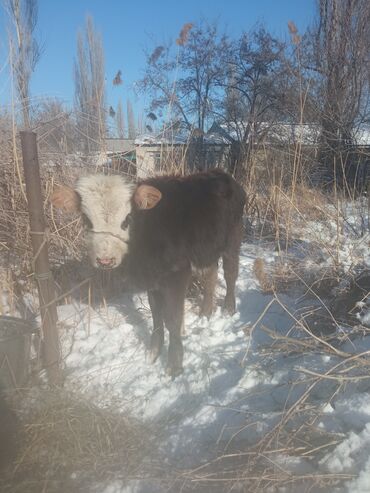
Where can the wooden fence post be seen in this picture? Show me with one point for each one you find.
(40, 264)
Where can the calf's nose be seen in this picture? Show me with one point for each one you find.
(106, 262)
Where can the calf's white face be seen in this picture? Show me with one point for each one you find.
(105, 204)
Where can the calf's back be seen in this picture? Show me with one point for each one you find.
(192, 224)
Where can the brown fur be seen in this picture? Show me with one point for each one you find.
(169, 225)
(197, 221)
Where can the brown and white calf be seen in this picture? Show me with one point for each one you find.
(158, 231)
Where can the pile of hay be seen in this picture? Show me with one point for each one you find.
(66, 443)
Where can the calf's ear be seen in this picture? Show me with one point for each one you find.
(65, 198)
(147, 197)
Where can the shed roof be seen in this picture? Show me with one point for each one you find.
(275, 133)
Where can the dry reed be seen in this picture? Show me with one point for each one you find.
(66, 443)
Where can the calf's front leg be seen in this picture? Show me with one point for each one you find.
(174, 291)
(230, 261)
(209, 281)
(156, 342)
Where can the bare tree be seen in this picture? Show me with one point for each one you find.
(253, 94)
(183, 79)
(56, 129)
(140, 123)
(90, 99)
(120, 121)
(24, 49)
(341, 46)
(130, 121)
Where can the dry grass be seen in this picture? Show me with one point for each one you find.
(265, 466)
(66, 443)
(259, 270)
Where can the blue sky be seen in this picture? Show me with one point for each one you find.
(128, 27)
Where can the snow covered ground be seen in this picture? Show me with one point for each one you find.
(238, 383)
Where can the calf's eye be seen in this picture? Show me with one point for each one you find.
(125, 224)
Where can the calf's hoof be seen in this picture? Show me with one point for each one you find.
(229, 306)
(156, 344)
(206, 310)
(174, 372)
(175, 357)
(153, 355)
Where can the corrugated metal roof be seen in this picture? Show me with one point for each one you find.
(276, 133)
(287, 133)
(152, 139)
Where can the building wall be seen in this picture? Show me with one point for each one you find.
(145, 161)
(179, 158)
(160, 158)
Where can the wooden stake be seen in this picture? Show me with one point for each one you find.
(40, 264)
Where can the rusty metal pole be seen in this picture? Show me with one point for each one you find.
(40, 264)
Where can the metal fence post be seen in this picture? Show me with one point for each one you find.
(40, 264)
